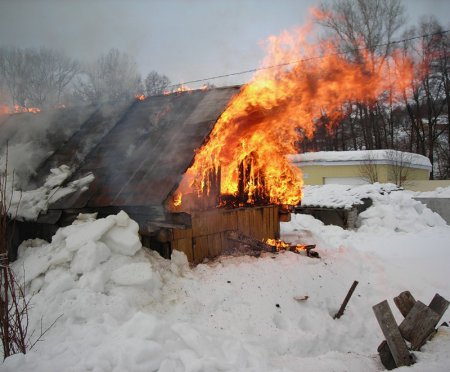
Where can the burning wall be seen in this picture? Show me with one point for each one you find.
(244, 159)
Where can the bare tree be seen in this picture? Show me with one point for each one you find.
(368, 169)
(13, 304)
(399, 166)
(36, 77)
(156, 83)
(366, 26)
(111, 77)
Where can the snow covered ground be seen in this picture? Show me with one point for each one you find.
(120, 307)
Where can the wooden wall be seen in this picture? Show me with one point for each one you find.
(207, 238)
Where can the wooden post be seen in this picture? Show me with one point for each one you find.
(419, 325)
(404, 301)
(346, 300)
(392, 334)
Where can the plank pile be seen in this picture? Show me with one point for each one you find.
(417, 327)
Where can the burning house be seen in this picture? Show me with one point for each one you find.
(192, 165)
(138, 155)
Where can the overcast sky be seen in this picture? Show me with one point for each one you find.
(184, 39)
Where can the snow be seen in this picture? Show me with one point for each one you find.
(27, 205)
(121, 307)
(439, 192)
(377, 156)
(342, 196)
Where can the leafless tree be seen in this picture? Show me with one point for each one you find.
(369, 26)
(156, 83)
(399, 166)
(13, 304)
(112, 77)
(368, 169)
(36, 77)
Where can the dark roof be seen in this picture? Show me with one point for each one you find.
(138, 153)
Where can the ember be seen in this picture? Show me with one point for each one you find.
(140, 97)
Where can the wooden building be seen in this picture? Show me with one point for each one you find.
(138, 154)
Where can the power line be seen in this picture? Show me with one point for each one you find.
(306, 59)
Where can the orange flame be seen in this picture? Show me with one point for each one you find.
(139, 97)
(33, 110)
(248, 145)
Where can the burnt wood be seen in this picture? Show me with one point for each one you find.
(394, 339)
(404, 302)
(255, 244)
(418, 325)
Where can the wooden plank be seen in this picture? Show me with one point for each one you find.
(392, 334)
(404, 302)
(200, 248)
(184, 245)
(182, 234)
(439, 305)
(214, 245)
(418, 325)
(276, 222)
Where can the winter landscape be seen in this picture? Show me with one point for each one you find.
(141, 216)
(114, 306)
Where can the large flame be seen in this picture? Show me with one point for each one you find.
(248, 145)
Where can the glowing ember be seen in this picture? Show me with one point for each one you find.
(140, 97)
(33, 110)
(246, 151)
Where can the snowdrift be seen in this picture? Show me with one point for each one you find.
(120, 307)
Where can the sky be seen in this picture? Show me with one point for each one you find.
(183, 39)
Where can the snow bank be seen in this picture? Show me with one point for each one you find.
(440, 192)
(342, 196)
(124, 308)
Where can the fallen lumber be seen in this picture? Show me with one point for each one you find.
(255, 244)
(394, 339)
(386, 356)
(346, 300)
(404, 302)
(418, 325)
(439, 305)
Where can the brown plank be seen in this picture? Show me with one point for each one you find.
(404, 302)
(439, 305)
(182, 233)
(214, 245)
(392, 334)
(418, 325)
(200, 248)
(386, 356)
(185, 246)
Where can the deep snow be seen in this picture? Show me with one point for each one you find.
(124, 308)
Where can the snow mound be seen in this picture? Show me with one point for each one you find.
(343, 196)
(440, 192)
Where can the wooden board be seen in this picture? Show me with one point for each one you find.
(395, 341)
(418, 325)
(185, 246)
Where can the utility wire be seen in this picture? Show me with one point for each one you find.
(307, 59)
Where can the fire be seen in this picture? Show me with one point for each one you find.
(177, 198)
(246, 151)
(33, 110)
(139, 97)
